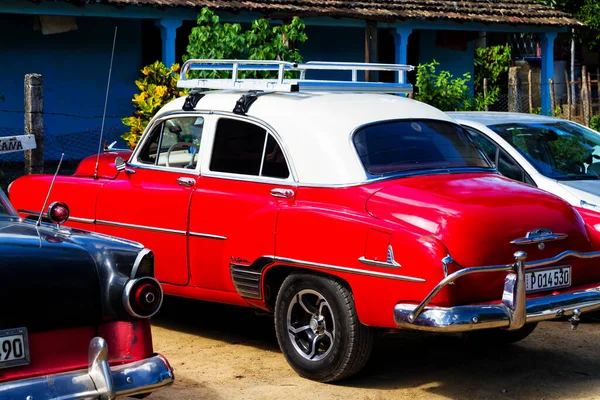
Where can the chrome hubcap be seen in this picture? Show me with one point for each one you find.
(311, 325)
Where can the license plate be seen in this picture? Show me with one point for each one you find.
(14, 347)
(546, 279)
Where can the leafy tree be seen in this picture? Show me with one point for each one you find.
(157, 87)
(446, 92)
(212, 39)
(491, 63)
(588, 12)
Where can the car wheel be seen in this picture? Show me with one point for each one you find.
(318, 330)
(498, 337)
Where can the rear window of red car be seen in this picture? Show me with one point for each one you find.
(409, 145)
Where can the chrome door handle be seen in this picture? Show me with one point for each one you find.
(282, 193)
(187, 182)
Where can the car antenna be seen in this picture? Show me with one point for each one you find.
(39, 221)
(112, 56)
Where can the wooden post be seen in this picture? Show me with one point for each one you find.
(552, 99)
(513, 90)
(590, 104)
(585, 97)
(485, 92)
(598, 87)
(568, 85)
(34, 122)
(371, 49)
(530, 89)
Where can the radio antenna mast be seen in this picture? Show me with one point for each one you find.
(112, 56)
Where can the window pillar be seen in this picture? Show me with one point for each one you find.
(547, 69)
(401, 43)
(168, 33)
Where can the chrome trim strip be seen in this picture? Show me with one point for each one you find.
(560, 257)
(143, 227)
(348, 270)
(82, 220)
(207, 236)
(381, 264)
(135, 226)
(73, 219)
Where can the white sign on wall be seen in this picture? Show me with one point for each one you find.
(10, 144)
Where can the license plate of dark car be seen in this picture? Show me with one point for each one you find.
(545, 279)
(14, 347)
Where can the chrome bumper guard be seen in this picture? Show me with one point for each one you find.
(511, 313)
(99, 381)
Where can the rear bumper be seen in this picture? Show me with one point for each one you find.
(99, 381)
(486, 316)
(511, 313)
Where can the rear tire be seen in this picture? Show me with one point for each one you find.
(498, 337)
(318, 330)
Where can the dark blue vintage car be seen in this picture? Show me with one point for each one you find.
(74, 312)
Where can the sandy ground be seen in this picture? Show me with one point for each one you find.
(222, 352)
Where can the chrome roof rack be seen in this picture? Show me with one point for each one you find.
(283, 84)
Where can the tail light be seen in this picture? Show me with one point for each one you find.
(58, 212)
(142, 297)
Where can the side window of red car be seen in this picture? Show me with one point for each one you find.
(247, 149)
(175, 143)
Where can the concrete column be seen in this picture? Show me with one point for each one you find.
(401, 42)
(168, 33)
(547, 69)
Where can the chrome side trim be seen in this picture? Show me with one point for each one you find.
(134, 226)
(207, 236)
(82, 220)
(381, 264)
(348, 270)
(143, 227)
(99, 381)
(561, 256)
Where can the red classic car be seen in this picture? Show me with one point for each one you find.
(337, 207)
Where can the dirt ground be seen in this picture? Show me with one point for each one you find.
(222, 352)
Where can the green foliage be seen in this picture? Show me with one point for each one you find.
(588, 12)
(595, 123)
(212, 39)
(491, 63)
(157, 87)
(446, 92)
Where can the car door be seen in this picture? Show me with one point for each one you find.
(149, 202)
(234, 209)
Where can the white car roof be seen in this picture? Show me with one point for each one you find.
(316, 128)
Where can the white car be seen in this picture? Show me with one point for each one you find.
(556, 155)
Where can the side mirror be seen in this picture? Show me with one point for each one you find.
(120, 163)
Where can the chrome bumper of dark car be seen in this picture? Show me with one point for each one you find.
(514, 311)
(99, 381)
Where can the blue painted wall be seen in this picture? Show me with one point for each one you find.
(75, 70)
(455, 61)
(331, 43)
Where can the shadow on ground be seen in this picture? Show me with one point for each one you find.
(554, 362)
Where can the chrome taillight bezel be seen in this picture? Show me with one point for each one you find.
(127, 296)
